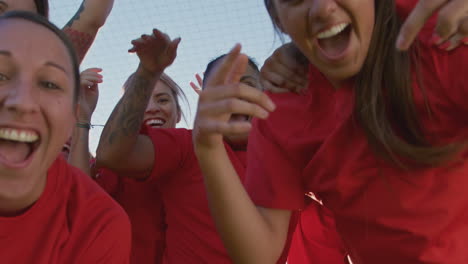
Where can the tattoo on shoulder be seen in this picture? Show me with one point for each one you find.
(81, 41)
(76, 16)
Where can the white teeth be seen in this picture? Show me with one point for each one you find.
(335, 30)
(18, 135)
(155, 122)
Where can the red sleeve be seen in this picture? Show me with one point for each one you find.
(170, 150)
(273, 180)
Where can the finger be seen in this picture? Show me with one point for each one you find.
(289, 75)
(280, 83)
(232, 106)
(238, 69)
(94, 79)
(195, 88)
(95, 69)
(287, 67)
(224, 128)
(137, 44)
(221, 72)
(416, 21)
(239, 91)
(86, 83)
(454, 42)
(450, 17)
(91, 74)
(92, 70)
(173, 46)
(267, 86)
(199, 79)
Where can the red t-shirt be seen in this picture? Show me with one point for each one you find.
(315, 238)
(142, 202)
(191, 235)
(73, 221)
(384, 214)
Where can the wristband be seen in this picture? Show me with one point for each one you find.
(84, 125)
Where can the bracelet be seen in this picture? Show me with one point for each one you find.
(84, 125)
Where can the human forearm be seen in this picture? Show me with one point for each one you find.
(122, 129)
(250, 234)
(79, 151)
(84, 25)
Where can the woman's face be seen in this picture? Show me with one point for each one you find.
(17, 5)
(162, 111)
(36, 99)
(333, 34)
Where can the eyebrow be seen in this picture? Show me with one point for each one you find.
(160, 94)
(49, 63)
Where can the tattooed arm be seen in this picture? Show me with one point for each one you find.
(121, 147)
(84, 25)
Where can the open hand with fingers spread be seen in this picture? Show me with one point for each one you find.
(156, 51)
(89, 94)
(197, 87)
(452, 23)
(223, 96)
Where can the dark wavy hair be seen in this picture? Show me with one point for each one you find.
(384, 94)
(40, 20)
(42, 7)
(211, 65)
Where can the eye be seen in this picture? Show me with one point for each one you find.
(163, 100)
(50, 85)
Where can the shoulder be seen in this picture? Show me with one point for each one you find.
(87, 200)
(97, 224)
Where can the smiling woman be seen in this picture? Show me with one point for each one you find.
(38, 92)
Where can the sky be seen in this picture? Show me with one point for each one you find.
(208, 28)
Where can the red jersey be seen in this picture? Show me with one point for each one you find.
(315, 238)
(384, 214)
(142, 202)
(73, 221)
(191, 235)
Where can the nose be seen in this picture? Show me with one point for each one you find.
(152, 108)
(321, 9)
(21, 98)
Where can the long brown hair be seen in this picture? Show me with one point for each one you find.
(42, 7)
(384, 95)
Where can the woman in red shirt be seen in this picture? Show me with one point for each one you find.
(379, 136)
(50, 212)
(140, 199)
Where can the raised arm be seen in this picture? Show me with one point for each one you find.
(89, 94)
(121, 147)
(84, 25)
(251, 234)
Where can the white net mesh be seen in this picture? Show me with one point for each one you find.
(208, 29)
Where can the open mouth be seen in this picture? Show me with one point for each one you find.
(334, 42)
(17, 146)
(155, 122)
